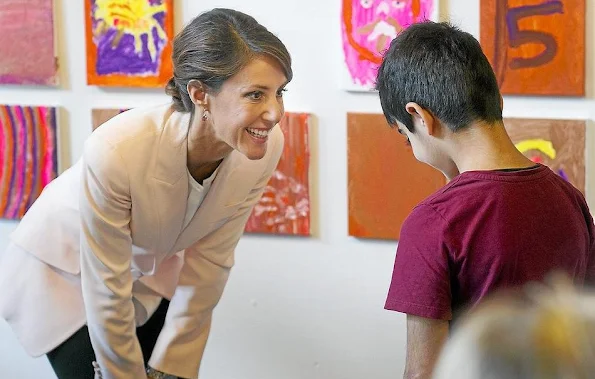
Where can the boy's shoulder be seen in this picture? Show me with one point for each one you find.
(472, 191)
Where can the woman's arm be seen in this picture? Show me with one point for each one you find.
(207, 264)
(106, 253)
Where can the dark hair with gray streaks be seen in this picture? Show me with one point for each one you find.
(215, 46)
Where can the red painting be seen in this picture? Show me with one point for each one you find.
(536, 47)
(385, 181)
(285, 205)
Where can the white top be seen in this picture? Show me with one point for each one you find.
(196, 194)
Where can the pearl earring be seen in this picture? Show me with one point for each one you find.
(204, 116)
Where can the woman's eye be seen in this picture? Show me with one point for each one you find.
(366, 3)
(255, 95)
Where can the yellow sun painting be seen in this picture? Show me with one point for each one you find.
(129, 42)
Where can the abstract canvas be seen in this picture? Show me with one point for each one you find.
(385, 181)
(558, 144)
(28, 156)
(99, 116)
(285, 205)
(536, 47)
(129, 42)
(368, 26)
(27, 43)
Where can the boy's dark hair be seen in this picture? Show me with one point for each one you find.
(444, 70)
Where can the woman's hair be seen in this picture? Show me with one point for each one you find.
(216, 45)
(542, 331)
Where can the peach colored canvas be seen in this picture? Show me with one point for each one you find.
(385, 181)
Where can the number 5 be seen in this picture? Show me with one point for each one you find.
(519, 37)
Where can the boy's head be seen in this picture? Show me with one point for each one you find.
(434, 74)
(443, 70)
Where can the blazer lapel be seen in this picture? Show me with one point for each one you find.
(170, 180)
(235, 179)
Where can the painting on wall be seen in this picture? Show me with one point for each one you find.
(558, 144)
(368, 27)
(28, 156)
(101, 115)
(129, 42)
(385, 181)
(285, 205)
(536, 47)
(27, 43)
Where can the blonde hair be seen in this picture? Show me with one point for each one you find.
(543, 331)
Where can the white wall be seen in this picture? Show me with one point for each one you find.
(294, 308)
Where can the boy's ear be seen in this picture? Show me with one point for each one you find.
(421, 117)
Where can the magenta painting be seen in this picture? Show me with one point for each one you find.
(368, 27)
(27, 43)
(28, 156)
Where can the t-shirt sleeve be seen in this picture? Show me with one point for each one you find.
(590, 280)
(420, 283)
(590, 271)
(590, 276)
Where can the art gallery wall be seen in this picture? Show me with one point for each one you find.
(295, 307)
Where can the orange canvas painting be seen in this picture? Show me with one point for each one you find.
(536, 47)
(129, 42)
(558, 144)
(285, 205)
(385, 181)
(99, 116)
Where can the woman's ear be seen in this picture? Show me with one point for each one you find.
(421, 117)
(197, 92)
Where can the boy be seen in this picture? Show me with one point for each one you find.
(501, 221)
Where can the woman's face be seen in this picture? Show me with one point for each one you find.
(247, 106)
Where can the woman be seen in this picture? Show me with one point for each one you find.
(151, 212)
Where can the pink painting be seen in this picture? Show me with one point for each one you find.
(28, 54)
(284, 208)
(28, 156)
(368, 27)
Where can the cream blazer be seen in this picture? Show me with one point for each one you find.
(116, 218)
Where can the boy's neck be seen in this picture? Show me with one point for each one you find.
(486, 147)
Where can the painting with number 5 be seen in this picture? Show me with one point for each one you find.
(536, 47)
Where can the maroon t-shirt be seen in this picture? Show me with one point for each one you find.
(486, 230)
